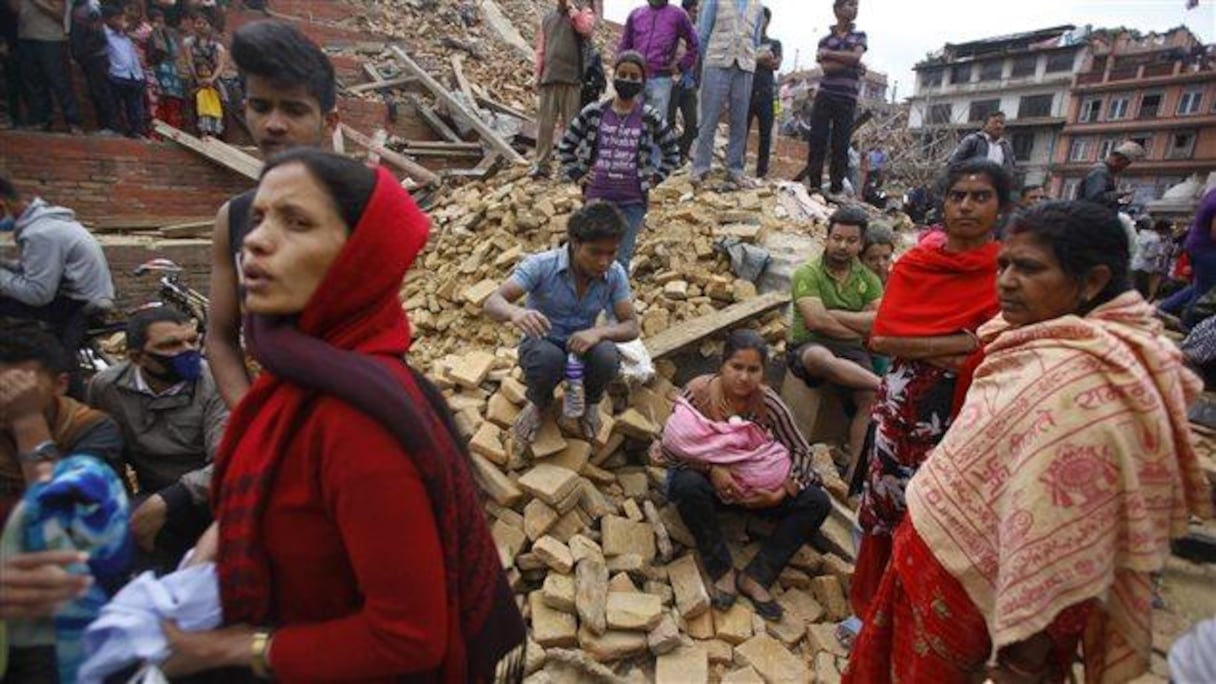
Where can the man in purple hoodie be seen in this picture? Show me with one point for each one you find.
(655, 30)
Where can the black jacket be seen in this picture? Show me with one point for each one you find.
(976, 145)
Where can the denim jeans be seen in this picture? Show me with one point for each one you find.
(831, 118)
(129, 94)
(797, 518)
(634, 215)
(658, 94)
(729, 88)
(44, 66)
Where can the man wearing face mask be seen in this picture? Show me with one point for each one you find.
(172, 418)
(61, 271)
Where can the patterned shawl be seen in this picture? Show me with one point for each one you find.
(1064, 477)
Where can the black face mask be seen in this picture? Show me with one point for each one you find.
(627, 89)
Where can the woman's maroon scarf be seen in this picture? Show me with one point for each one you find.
(934, 292)
(349, 343)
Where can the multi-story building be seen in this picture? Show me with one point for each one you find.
(1025, 75)
(1156, 89)
(801, 84)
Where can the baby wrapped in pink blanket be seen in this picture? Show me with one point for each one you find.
(757, 461)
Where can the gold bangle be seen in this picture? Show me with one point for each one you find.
(260, 652)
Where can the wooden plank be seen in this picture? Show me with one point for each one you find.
(217, 151)
(461, 81)
(689, 332)
(501, 108)
(432, 119)
(377, 85)
(338, 141)
(440, 145)
(492, 138)
(378, 139)
(414, 169)
(190, 229)
(459, 153)
(488, 165)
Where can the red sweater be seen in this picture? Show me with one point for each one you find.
(351, 538)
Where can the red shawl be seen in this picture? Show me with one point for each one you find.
(349, 342)
(934, 292)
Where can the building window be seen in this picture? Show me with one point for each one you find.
(1150, 106)
(1069, 192)
(1144, 140)
(980, 109)
(1023, 146)
(1117, 109)
(960, 73)
(1060, 62)
(1034, 106)
(1091, 109)
(1182, 145)
(931, 78)
(1107, 146)
(991, 70)
(1080, 150)
(1190, 101)
(1024, 66)
(940, 114)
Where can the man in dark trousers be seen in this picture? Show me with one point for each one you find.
(685, 92)
(839, 56)
(768, 62)
(559, 74)
(989, 143)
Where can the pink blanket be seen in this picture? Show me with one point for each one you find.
(757, 460)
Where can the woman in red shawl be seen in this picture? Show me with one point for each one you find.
(936, 297)
(351, 541)
(1038, 520)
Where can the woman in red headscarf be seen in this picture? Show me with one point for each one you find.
(937, 296)
(352, 544)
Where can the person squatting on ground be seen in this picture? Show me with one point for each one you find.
(612, 146)
(568, 288)
(732, 443)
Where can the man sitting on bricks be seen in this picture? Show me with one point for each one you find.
(172, 418)
(568, 288)
(835, 301)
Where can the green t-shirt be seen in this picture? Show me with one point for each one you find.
(812, 280)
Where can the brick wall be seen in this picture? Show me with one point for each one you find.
(104, 179)
(124, 255)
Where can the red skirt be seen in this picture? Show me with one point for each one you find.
(942, 637)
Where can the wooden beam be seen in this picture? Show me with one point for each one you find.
(440, 145)
(338, 141)
(377, 85)
(503, 109)
(432, 119)
(689, 332)
(417, 171)
(488, 164)
(190, 229)
(217, 151)
(378, 139)
(461, 81)
(488, 134)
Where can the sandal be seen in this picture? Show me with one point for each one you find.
(769, 610)
(722, 600)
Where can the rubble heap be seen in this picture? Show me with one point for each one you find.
(603, 568)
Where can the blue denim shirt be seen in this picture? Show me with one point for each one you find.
(549, 281)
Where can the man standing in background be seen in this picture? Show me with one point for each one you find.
(684, 93)
(768, 63)
(730, 32)
(839, 56)
(559, 74)
(656, 30)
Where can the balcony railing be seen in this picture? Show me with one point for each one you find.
(1130, 73)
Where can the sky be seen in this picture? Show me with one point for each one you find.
(902, 32)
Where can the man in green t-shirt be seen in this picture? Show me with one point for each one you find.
(835, 300)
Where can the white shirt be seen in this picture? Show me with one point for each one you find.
(995, 152)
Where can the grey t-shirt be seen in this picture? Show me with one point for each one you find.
(35, 24)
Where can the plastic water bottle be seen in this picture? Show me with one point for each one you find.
(575, 403)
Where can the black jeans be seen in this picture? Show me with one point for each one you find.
(101, 94)
(762, 108)
(544, 364)
(129, 94)
(684, 100)
(797, 519)
(831, 119)
(44, 70)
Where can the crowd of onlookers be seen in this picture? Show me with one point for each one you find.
(139, 60)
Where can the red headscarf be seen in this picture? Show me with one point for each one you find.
(934, 292)
(349, 342)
